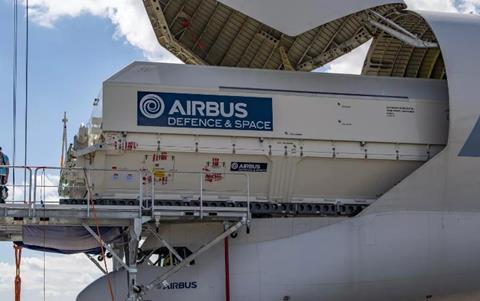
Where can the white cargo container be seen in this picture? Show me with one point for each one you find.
(306, 137)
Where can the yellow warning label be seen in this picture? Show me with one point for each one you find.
(159, 173)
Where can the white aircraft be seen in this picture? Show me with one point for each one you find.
(417, 241)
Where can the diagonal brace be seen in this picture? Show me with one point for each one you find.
(166, 244)
(161, 279)
(96, 263)
(87, 227)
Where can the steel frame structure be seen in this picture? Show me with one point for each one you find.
(208, 32)
(35, 210)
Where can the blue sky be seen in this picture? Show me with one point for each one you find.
(67, 66)
(73, 48)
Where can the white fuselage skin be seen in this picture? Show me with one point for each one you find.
(387, 256)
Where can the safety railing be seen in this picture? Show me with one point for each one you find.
(18, 188)
(45, 186)
(206, 186)
(81, 183)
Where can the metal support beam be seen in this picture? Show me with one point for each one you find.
(394, 25)
(231, 46)
(120, 252)
(272, 52)
(162, 22)
(95, 262)
(217, 37)
(165, 37)
(207, 25)
(134, 232)
(161, 279)
(412, 41)
(87, 227)
(321, 32)
(166, 5)
(194, 16)
(166, 244)
(179, 13)
(245, 51)
(267, 40)
(410, 51)
(361, 37)
(257, 52)
(287, 65)
(424, 52)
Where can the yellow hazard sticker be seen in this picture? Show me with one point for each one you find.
(159, 173)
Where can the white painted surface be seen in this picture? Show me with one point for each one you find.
(448, 182)
(335, 137)
(392, 256)
(308, 106)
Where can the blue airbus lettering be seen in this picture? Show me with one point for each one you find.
(204, 111)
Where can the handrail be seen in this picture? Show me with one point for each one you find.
(146, 181)
(87, 175)
(202, 180)
(27, 197)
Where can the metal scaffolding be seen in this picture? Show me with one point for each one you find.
(34, 208)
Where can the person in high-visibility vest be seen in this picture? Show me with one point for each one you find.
(4, 173)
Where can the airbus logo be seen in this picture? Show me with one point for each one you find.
(181, 285)
(234, 166)
(204, 111)
(152, 106)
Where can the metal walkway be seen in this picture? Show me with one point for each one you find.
(36, 206)
(14, 216)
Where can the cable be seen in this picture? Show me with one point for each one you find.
(102, 249)
(26, 99)
(14, 88)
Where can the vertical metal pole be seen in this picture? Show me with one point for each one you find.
(35, 190)
(26, 98)
(13, 185)
(201, 195)
(140, 203)
(25, 182)
(43, 193)
(14, 93)
(120, 252)
(29, 191)
(227, 265)
(133, 240)
(153, 193)
(248, 200)
(30, 186)
(89, 191)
